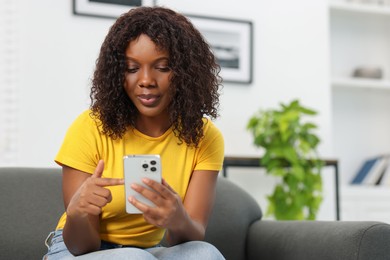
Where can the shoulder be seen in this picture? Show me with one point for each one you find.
(87, 117)
(209, 128)
(87, 120)
(211, 133)
(85, 126)
(211, 148)
(83, 143)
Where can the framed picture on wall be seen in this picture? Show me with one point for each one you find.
(231, 41)
(107, 8)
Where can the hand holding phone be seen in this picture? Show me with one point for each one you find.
(137, 167)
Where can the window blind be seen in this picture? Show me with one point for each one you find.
(9, 73)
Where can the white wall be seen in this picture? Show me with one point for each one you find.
(58, 51)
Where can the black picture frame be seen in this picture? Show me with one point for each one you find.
(232, 43)
(111, 9)
(230, 39)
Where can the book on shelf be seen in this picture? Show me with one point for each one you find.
(385, 180)
(363, 171)
(372, 171)
(375, 176)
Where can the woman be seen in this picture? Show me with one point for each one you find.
(155, 81)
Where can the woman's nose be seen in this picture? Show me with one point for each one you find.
(146, 78)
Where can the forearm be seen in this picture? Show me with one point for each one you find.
(188, 230)
(197, 208)
(81, 235)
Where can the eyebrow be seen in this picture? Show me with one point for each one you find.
(155, 61)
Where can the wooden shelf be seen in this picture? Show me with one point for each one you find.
(360, 7)
(361, 83)
(365, 203)
(359, 37)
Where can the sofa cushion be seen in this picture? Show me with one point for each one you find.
(31, 201)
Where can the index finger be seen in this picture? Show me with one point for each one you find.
(98, 170)
(103, 182)
(165, 183)
(163, 188)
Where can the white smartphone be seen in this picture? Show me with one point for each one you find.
(137, 167)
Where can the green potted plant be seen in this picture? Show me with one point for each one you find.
(289, 146)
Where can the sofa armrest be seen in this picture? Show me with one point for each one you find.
(318, 240)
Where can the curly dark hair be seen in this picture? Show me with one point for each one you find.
(195, 74)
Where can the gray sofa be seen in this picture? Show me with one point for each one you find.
(31, 204)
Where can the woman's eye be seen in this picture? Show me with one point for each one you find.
(164, 68)
(131, 70)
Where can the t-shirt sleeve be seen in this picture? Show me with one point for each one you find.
(211, 149)
(80, 148)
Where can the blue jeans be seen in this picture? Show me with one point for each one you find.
(192, 250)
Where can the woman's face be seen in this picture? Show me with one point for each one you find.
(148, 77)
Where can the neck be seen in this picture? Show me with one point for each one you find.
(153, 127)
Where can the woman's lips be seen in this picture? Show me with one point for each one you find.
(148, 100)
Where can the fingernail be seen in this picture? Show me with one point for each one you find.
(146, 180)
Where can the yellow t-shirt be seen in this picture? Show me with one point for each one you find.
(84, 145)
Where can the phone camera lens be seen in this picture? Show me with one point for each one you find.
(153, 169)
(153, 162)
(144, 166)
